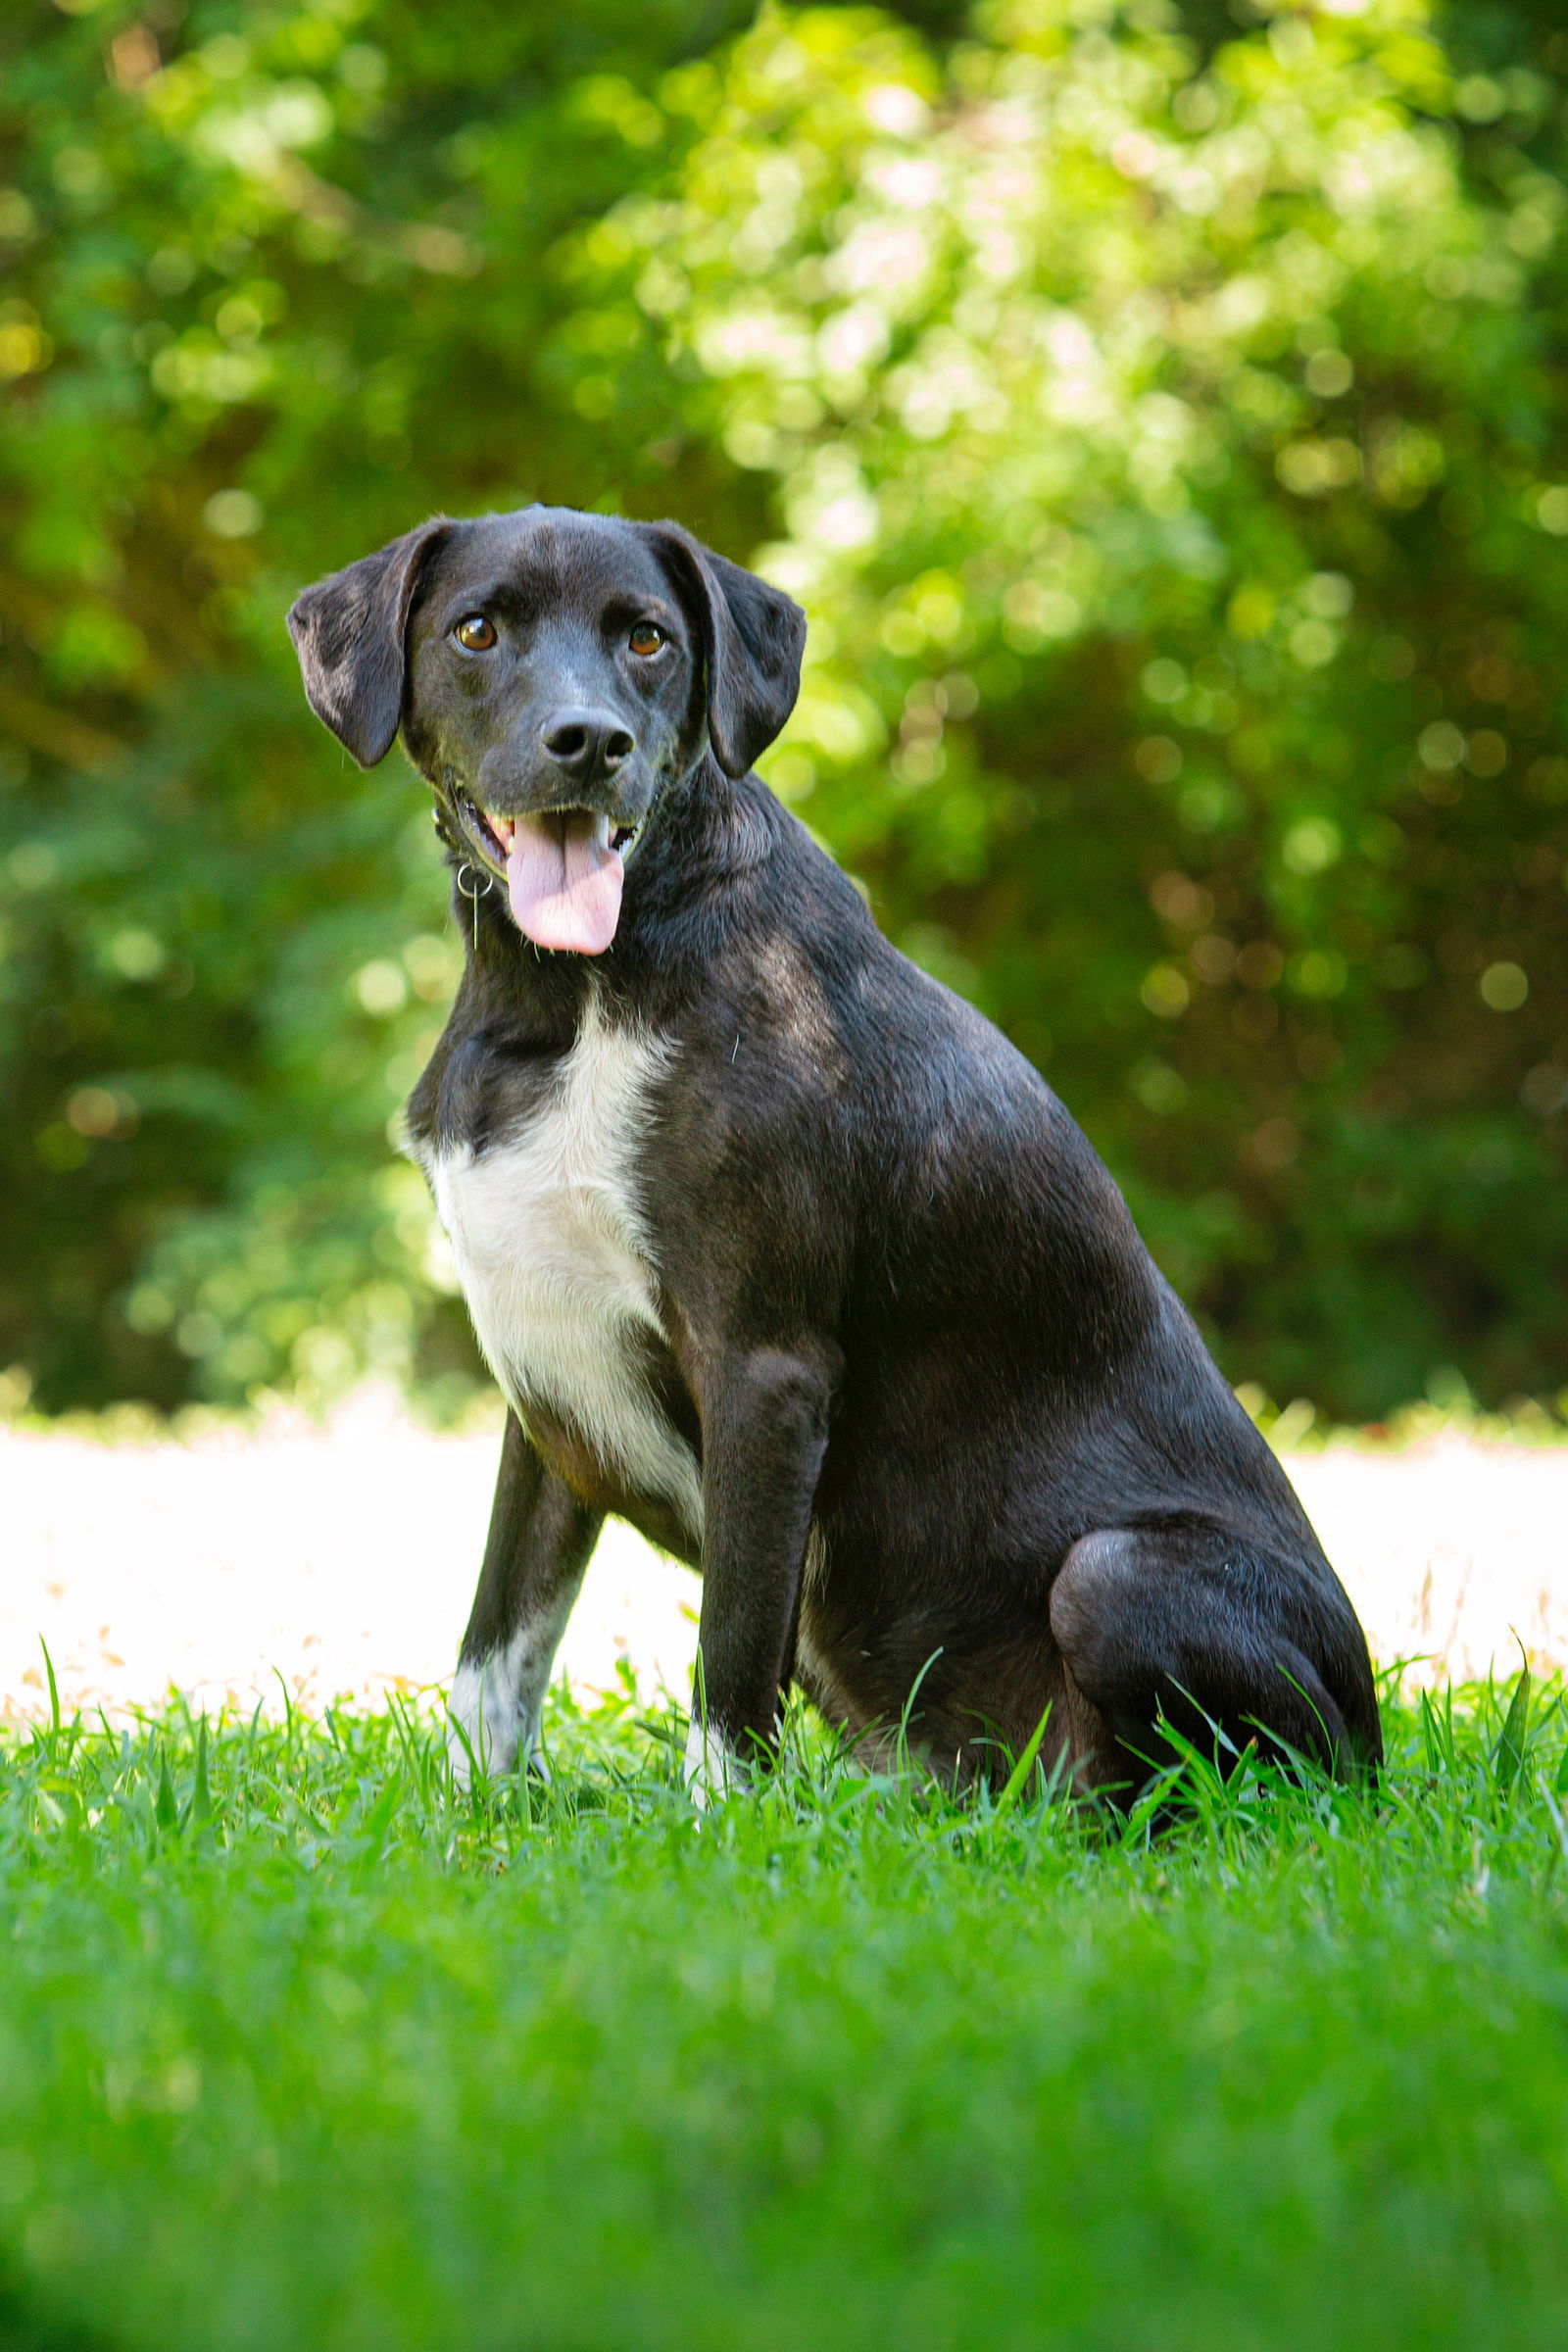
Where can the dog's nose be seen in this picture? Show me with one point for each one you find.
(586, 744)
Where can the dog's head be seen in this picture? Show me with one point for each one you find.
(553, 674)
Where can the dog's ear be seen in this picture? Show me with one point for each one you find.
(752, 637)
(349, 632)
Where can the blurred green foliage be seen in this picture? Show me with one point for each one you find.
(1159, 412)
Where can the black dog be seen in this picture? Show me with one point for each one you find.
(777, 1249)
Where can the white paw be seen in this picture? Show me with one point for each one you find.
(488, 1729)
(712, 1768)
(491, 1764)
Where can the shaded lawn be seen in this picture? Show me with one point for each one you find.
(298, 2049)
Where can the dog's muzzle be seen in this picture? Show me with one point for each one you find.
(562, 867)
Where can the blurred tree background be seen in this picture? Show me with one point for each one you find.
(1160, 410)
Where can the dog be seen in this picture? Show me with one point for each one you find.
(776, 1248)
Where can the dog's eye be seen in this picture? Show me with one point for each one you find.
(646, 638)
(475, 632)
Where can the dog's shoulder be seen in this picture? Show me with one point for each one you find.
(498, 1057)
(811, 977)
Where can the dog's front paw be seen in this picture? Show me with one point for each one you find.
(465, 1752)
(487, 1731)
(712, 1768)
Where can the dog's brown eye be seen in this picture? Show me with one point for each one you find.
(646, 638)
(476, 633)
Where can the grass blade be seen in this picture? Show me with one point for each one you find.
(54, 1696)
(166, 1805)
(201, 1803)
(1509, 1755)
(379, 1820)
(1020, 1772)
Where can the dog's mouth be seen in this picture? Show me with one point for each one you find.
(562, 867)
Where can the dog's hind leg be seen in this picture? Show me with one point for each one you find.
(537, 1550)
(1208, 1630)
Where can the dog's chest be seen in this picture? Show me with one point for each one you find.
(556, 1263)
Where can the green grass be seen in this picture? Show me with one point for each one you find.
(299, 2049)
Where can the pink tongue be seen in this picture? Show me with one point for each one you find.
(564, 883)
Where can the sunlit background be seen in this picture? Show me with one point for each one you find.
(1158, 411)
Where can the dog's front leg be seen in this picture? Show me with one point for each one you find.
(538, 1546)
(764, 1428)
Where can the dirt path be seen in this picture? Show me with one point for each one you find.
(343, 1560)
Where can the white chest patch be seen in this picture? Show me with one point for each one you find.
(556, 1264)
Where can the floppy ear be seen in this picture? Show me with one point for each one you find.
(349, 634)
(752, 637)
